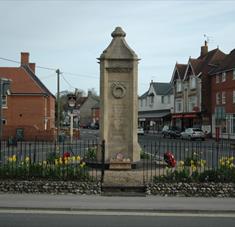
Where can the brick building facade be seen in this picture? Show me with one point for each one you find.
(29, 110)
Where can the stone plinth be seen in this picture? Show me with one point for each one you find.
(119, 164)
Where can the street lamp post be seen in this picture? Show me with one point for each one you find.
(71, 103)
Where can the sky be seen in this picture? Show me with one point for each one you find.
(70, 35)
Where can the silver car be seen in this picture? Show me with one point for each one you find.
(193, 133)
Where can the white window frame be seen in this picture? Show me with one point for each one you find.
(178, 105)
(223, 97)
(223, 77)
(192, 82)
(4, 101)
(178, 86)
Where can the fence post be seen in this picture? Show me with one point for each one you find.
(102, 160)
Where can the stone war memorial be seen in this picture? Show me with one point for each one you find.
(119, 102)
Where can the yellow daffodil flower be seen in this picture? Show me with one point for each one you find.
(14, 158)
(78, 158)
(27, 159)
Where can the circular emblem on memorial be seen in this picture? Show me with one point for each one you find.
(118, 90)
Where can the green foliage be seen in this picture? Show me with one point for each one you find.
(91, 154)
(56, 168)
(144, 155)
(193, 170)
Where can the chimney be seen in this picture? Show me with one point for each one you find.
(32, 66)
(204, 49)
(24, 58)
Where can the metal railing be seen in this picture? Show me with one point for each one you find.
(193, 157)
(48, 160)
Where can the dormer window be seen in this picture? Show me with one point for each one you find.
(178, 86)
(223, 77)
(151, 99)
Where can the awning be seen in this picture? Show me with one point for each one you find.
(153, 115)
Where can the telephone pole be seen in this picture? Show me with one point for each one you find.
(58, 103)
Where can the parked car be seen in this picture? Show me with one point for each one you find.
(193, 133)
(140, 131)
(171, 131)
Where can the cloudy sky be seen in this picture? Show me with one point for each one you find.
(70, 35)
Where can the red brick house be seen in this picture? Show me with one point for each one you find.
(29, 110)
(192, 90)
(223, 97)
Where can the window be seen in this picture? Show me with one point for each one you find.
(223, 77)
(234, 74)
(218, 98)
(178, 105)
(192, 103)
(217, 78)
(223, 97)
(178, 86)
(192, 82)
(151, 99)
(162, 99)
(4, 101)
(233, 96)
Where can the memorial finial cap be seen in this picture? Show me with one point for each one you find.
(118, 32)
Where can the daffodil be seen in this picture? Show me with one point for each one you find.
(78, 158)
(65, 161)
(56, 162)
(192, 162)
(10, 159)
(14, 158)
(27, 159)
(82, 164)
(44, 162)
(181, 163)
(74, 158)
(60, 161)
(194, 168)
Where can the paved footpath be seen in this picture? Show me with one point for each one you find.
(130, 204)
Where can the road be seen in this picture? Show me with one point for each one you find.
(36, 210)
(106, 219)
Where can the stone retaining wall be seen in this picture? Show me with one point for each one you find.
(50, 187)
(192, 189)
(92, 188)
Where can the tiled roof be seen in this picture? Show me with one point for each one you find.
(226, 64)
(162, 88)
(37, 80)
(181, 69)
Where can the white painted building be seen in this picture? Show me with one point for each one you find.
(155, 106)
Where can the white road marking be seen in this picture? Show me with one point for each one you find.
(118, 213)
